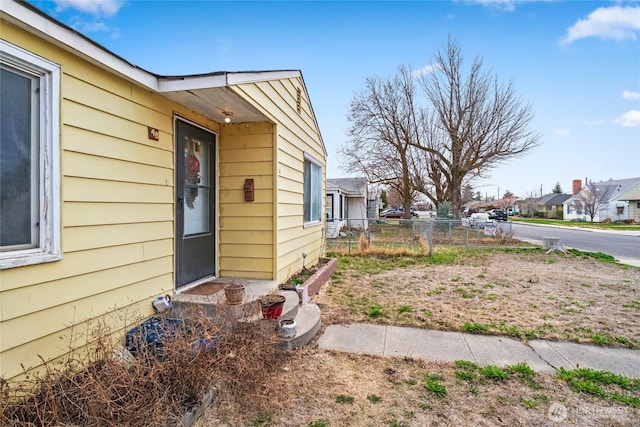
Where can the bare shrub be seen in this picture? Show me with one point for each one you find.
(154, 388)
(364, 242)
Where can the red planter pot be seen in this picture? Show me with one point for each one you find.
(271, 306)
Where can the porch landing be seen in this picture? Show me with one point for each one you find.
(210, 299)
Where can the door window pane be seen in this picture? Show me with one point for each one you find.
(197, 181)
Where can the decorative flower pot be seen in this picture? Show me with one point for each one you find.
(286, 328)
(234, 292)
(271, 306)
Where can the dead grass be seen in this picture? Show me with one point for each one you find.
(323, 388)
(525, 294)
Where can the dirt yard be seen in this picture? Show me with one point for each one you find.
(526, 295)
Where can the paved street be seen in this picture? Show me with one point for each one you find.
(624, 246)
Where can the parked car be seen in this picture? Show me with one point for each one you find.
(479, 220)
(395, 213)
(498, 215)
(468, 212)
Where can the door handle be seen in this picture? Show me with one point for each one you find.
(180, 200)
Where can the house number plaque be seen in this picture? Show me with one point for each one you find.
(153, 133)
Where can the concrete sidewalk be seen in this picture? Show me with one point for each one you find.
(540, 355)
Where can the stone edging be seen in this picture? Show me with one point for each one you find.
(313, 284)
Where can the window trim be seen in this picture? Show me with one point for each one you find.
(313, 161)
(49, 237)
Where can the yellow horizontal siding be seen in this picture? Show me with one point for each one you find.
(83, 141)
(29, 299)
(258, 168)
(289, 197)
(253, 250)
(246, 228)
(93, 190)
(260, 182)
(100, 98)
(237, 196)
(84, 262)
(249, 155)
(285, 222)
(239, 224)
(76, 214)
(246, 209)
(291, 210)
(86, 166)
(256, 265)
(58, 318)
(100, 122)
(246, 236)
(55, 346)
(100, 236)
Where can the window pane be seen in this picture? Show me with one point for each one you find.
(316, 192)
(307, 191)
(196, 186)
(17, 204)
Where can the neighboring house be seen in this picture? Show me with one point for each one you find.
(550, 205)
(136, 185)
(620, 201)
(347, 201)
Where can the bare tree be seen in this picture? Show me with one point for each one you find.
(592, 199)
(479, 122)
(473, 123)
(385, 128)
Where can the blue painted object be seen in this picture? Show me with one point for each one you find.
(148, 337)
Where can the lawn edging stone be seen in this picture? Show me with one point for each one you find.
(312, 285)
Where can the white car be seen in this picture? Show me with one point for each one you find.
(479, 220)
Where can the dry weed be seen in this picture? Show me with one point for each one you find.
(156, 387)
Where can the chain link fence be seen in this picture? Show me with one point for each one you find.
(349, 235)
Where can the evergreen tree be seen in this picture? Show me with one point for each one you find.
(383, 198)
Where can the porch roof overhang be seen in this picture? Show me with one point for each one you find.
(212, 94)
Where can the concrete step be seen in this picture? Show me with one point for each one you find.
(308, 324)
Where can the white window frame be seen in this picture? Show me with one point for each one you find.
(48, 129)
(310, 159)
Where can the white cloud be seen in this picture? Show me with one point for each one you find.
(627, 94)
(596, 122)
(615, 22)
(629, 119)
(506, 5)
(562, 132)
(106, 8)
(87, 26)
(424, 70)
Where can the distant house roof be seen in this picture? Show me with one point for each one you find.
(552, 199)
(615, 189)
(349, 186)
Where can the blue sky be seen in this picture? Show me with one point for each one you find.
(576, 62)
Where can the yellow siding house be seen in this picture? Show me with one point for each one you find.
(118, 185)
